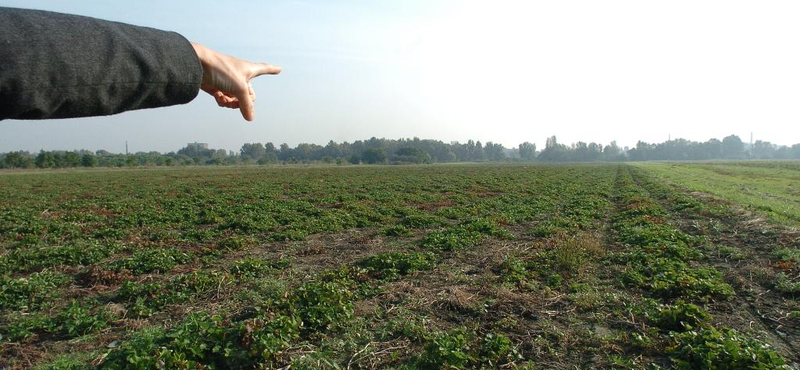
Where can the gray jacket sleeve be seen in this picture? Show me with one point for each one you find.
(56, 65)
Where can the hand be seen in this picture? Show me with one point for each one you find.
(227, 79)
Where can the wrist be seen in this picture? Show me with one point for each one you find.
(203, 55)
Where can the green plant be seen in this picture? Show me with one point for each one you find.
(785, 285)
(391, 265)
(497, 349)
(680, 317)
(453, 349)
(396, 230)
(152, 260)
(30, 292)
(451, 239)
(709, 348)
(76, 320)
(325, 303)
(255, 267)
(513, 270)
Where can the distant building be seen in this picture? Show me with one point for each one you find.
(197, 146)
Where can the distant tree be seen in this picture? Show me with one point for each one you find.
(527, 151)
(494, 152)
(732, 147)
(254, 151)
(88, 160)
(411, 155)
(18, 159)
(45, 160)
(794, 152)
(554, 152)
(354, 159)
(374, 156)
(763, 150)
(612, 152)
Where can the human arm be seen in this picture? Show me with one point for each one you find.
(56, 65)
(227, 79)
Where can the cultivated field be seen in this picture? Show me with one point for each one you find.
(770, 188)
(422, 267)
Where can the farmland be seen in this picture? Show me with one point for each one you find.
(407, 267)
(769, 188)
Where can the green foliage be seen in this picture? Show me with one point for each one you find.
(34, 258)
(152, 260)
(255, 267)
(708, 348)
(448, 350)
(460, 349)
(324, 303)
(67, 362)
(21, 327)
(76, 320)
(30, 292)
(680, 317)
(786, 285)
(422, 221)
(235, 243)
(267, 335)
(143, 299)
(670, 278)
(452, 239)
(396, 230)
(392, 265)
(513, 270)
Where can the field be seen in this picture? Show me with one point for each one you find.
(769, 188)
(395, 267)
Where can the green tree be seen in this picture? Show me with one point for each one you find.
(88, 160)
(732, 147)
(374, 156)
(527, 151)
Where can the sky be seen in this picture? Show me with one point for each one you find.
(452, 70)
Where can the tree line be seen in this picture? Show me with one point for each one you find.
(407, 151)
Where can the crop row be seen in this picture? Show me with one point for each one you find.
(667, 265)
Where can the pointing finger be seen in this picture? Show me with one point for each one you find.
(246, 106)
(259, 69)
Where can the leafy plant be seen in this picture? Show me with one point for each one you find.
(709, 348)
(391, 265)
(152, 260)
(680, 317)
(30, 292)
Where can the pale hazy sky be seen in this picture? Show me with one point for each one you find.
(502, 71)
